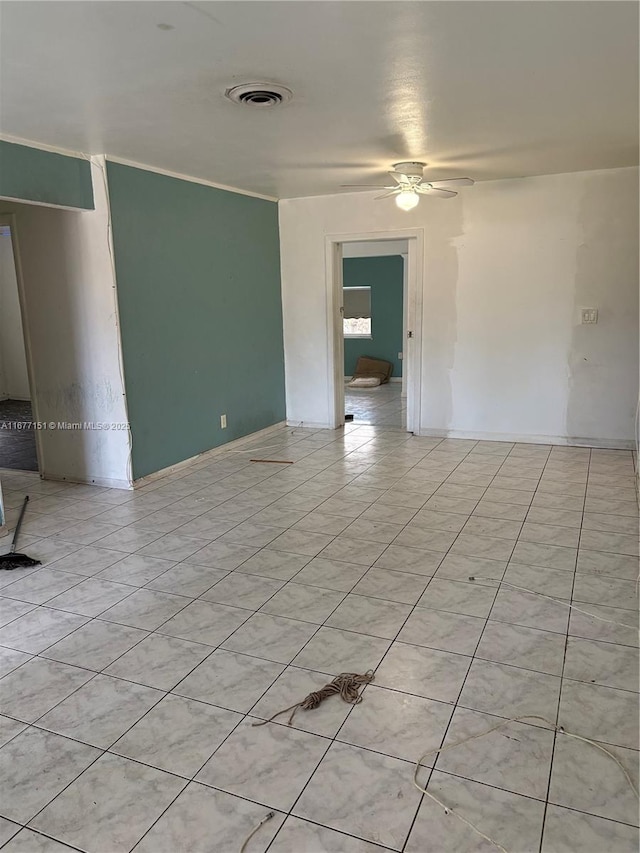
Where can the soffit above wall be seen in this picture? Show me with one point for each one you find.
(374, 248)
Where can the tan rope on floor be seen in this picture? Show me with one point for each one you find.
(347, 685)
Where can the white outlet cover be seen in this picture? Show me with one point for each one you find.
(588, 315)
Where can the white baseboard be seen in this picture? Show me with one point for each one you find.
(562, 440)
(207, 454)
(308, 425)
(566, 441)
(105, 482)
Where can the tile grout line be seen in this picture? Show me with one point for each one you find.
(564, 658)
(456, 703)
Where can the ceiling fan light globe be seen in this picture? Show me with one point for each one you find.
(407, 200)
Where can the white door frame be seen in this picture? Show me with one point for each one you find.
(10, 220)
(412, 346)
(405, 322)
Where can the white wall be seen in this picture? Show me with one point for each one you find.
(14, 379)
(71, 314)
(507, 266)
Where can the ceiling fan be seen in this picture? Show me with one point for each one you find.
(410, 185)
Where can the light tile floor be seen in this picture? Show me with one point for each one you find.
(165, 622)
(381, 406)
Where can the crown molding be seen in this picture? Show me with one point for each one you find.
(53, 149)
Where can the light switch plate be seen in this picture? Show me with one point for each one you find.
(589, 315)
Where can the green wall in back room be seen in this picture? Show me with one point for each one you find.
(30, 174)
(385, 277)
(198, 278)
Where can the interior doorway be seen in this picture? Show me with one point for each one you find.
(374, 324)
(374, 297)
(18, 437)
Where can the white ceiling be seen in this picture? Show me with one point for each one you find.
(485, 89)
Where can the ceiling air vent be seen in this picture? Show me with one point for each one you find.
(259, 94)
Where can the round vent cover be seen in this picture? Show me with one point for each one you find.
(259, 94)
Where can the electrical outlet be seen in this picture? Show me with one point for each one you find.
(589, 315)
(223, 421)
(400, 356)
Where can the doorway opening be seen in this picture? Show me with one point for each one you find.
(374, 297)
(373, 316)
(18, 436)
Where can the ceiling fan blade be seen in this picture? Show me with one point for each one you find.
(395, 191)
(400, 178)
(425, 190)
(368, 186)
(453, 182)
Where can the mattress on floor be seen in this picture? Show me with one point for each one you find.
(370, 372)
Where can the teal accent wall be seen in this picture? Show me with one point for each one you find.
(385, 277)
(198, 277)
(30, 174)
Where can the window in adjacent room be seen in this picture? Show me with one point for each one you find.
(356, 318)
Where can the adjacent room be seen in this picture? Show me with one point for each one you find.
(319, 395)
(17, 436)
(374, 327)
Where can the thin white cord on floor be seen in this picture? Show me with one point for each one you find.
(556, 728)
(557, 601)
(254, 830)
